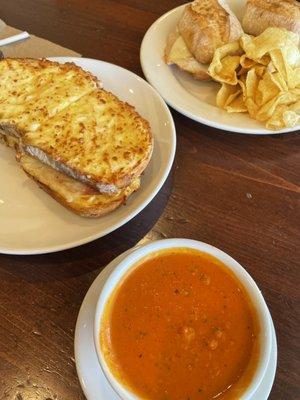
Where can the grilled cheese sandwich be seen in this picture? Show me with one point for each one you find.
(80, 143)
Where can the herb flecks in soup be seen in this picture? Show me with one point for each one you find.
(180, 327)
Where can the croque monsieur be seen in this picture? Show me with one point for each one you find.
(79, 142)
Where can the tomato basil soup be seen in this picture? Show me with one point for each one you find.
(180, 326)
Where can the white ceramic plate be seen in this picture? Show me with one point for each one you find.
(31, 222)
(92, 379)
(192, 98)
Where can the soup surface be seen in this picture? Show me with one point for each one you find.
(180, 327)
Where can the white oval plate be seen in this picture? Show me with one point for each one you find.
(186, 95)
(92, 379)
(31, 222)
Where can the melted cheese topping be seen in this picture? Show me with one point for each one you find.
(65, 121)
(32, 90)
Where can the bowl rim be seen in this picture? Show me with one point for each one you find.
(137, 254)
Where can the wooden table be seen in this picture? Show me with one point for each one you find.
(237, 192)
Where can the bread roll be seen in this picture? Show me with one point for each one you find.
(262, 14)
(207, 25)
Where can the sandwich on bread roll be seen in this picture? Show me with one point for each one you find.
(262, 14)
(204, 26)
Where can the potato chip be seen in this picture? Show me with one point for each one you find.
(278, 63)
(249, 85)
(291, 52)
(242, 83)
(268, 109)
(283, 117)
(271, 67)
(242, 72)
(246, 62)
(228, 72)
(290, 118)
(252, 107)
(247, 41)
(279, 81)
(230, 98)
(296, 92)
(267, 89)
(225, 63)
(260, 70)
(226, 94)
(289, 74)
(237, 105)
(265, 80)
(252, 81)
(271, 39)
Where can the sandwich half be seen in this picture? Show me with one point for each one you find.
(204, 26)
(57, 114)
(79, 142)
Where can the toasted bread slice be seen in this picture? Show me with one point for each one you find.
(177, 53)
(206, 25)
(32, 91)
(78, 197)
(262, 14)
(98, 140)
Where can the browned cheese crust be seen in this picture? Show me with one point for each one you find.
(120, 139)
(37, 65)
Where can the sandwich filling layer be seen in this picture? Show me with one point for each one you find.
(79, 197)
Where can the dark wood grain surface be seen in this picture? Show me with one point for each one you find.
(237, 192)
